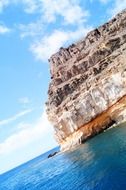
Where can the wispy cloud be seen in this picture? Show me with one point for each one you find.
(32, 29)
(29, 133)
(29, 5)
(49, 44)
(4, 29)
(70, 12)
(3, 4)
(118, 6)
(15, 117)
(45, 43)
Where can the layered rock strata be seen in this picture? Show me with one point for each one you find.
(87, 92)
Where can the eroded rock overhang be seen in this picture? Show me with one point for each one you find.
(88, 79)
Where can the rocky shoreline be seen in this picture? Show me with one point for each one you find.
(87, 92)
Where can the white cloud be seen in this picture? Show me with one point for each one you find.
(3, 4)
(29, 133)
(23, 125)
(15, 117)
(71, 13)
(32, 29)
(70, 10)
(48, 45)
(118, 6)
(75, 15)
(4, 29)
(31, 6)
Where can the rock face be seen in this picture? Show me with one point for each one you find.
(87, 93)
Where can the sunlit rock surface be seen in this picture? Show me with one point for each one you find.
(87, 92)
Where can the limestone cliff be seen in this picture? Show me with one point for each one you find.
(87, 92)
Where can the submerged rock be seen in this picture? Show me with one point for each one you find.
(87, 92)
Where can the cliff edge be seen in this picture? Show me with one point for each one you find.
(87, 92)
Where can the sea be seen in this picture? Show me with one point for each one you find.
(98, 164)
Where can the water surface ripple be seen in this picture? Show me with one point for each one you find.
(99, 164)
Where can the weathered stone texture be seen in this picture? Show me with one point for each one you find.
(87, 78)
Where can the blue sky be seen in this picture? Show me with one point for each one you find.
(30, 31)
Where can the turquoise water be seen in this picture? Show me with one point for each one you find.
(99, 164)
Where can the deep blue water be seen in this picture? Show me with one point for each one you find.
(99, 164)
